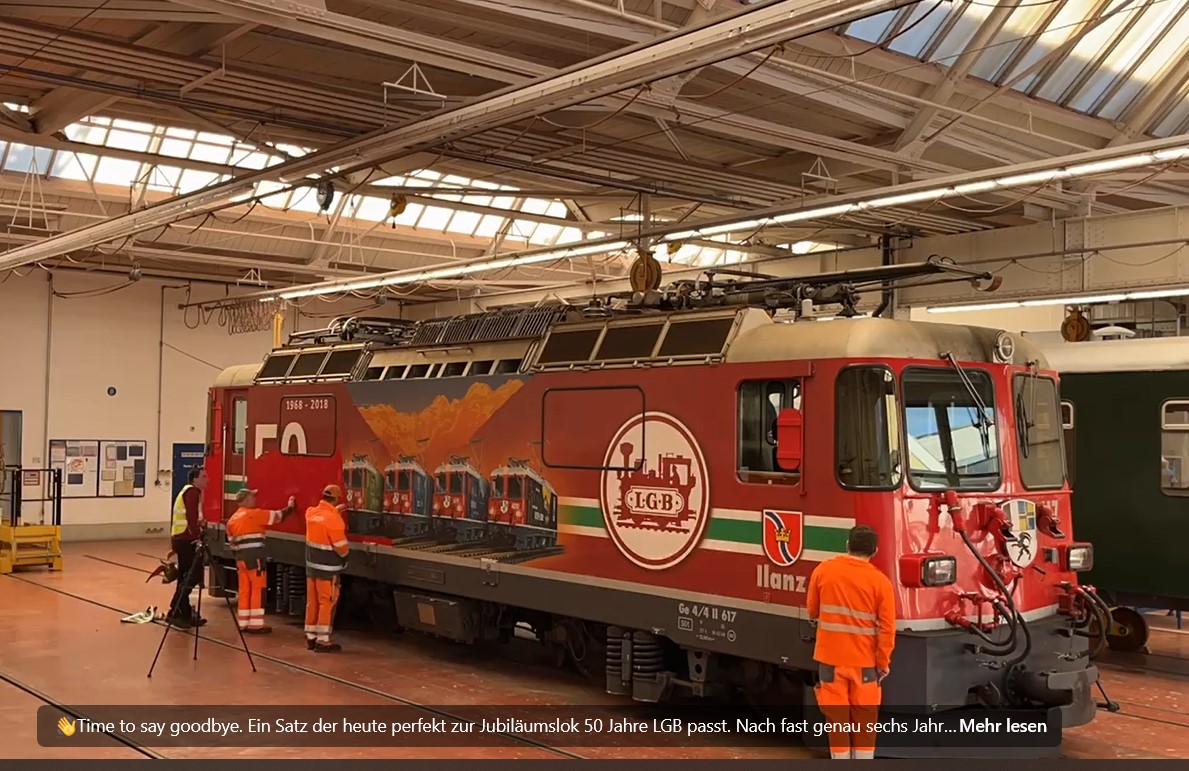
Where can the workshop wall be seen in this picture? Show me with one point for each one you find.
(64, 351)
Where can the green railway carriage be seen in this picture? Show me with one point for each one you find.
(1125, 412)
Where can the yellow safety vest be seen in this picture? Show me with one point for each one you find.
(180, 523)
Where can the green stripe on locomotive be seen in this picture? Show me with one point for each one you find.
(1119, 504)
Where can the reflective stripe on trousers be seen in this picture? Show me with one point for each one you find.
(849, 695)
(253, 583)
(321, 599)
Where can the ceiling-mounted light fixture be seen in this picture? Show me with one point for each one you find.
(454, 271)
(890, 199)
(1151, 294)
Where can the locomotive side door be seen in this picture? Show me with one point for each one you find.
(235, 447)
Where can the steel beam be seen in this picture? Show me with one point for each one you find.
(753, 29)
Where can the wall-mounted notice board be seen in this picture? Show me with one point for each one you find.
(100, 468)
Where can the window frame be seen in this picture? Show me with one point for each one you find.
(1171, 492)
(236, 441)
(902, 435)
(1069, 438)
(912, 482)
(776, 476)
(1020, 376)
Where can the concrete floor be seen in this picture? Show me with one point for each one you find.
(75, 651)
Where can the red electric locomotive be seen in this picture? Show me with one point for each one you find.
(706, 456)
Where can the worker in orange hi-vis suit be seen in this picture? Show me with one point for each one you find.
(326, 557)
(852, 603)
(245, 536)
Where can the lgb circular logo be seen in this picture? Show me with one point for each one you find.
(656, 500)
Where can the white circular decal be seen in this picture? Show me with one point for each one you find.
(655, 511)
(1021, 515)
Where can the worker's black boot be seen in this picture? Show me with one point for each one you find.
(327, 648)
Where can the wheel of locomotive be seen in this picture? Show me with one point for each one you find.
(1131, 630)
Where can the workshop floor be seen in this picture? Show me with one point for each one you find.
(66, 644)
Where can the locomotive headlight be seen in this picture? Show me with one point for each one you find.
(927, 570)
(939, 571)
(1079, 557)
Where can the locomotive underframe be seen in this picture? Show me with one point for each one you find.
(933, 669)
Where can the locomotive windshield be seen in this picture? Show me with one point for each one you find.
(1038, 432)
(952, 437)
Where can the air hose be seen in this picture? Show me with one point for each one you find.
(1014, 615)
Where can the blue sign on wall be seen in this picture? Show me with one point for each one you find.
(185, 457)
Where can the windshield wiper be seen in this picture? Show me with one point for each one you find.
(984, 422)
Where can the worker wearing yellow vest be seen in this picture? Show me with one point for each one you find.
(854, 608)
(327, 550)
(245, 536)
(185, 534)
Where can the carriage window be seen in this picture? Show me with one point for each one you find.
(1038, 432)
(760, 402)
(442, 481)
(950, 445)
(1174, 447)
(515, 487)
(867, 448)
(402, 482)
(239, 411)
(456, 482)
(499, 487)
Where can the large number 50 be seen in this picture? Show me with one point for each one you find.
(293, 434)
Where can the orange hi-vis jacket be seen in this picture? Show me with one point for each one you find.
(855, 611)
(245, 533)
(326, 541)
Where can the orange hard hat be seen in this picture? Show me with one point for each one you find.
(332, 492)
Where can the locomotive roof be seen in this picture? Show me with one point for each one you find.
(402, 465)
(658, 339)
(467, 467)
(1137, 355)
(877, 338)
(527, 471)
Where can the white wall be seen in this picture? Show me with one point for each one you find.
(115, 340)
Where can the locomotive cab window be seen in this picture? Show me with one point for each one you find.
(760, 404)
(952, 437)
(1174, 447)
(239, 426)
(1038, 432)
(867, 429)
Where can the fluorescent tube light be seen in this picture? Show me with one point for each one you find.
(1102, 298)
(812, 213)
(451, 271)
(1149, 294)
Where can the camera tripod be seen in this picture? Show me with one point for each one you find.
(201, 556)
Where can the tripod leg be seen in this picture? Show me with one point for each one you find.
(173, 614)
(197, 609)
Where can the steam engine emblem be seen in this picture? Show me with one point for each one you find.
(655, 493)
(1022, 516)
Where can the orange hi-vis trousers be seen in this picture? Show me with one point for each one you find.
(850, 697)
(252, 585)
(322, 594)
